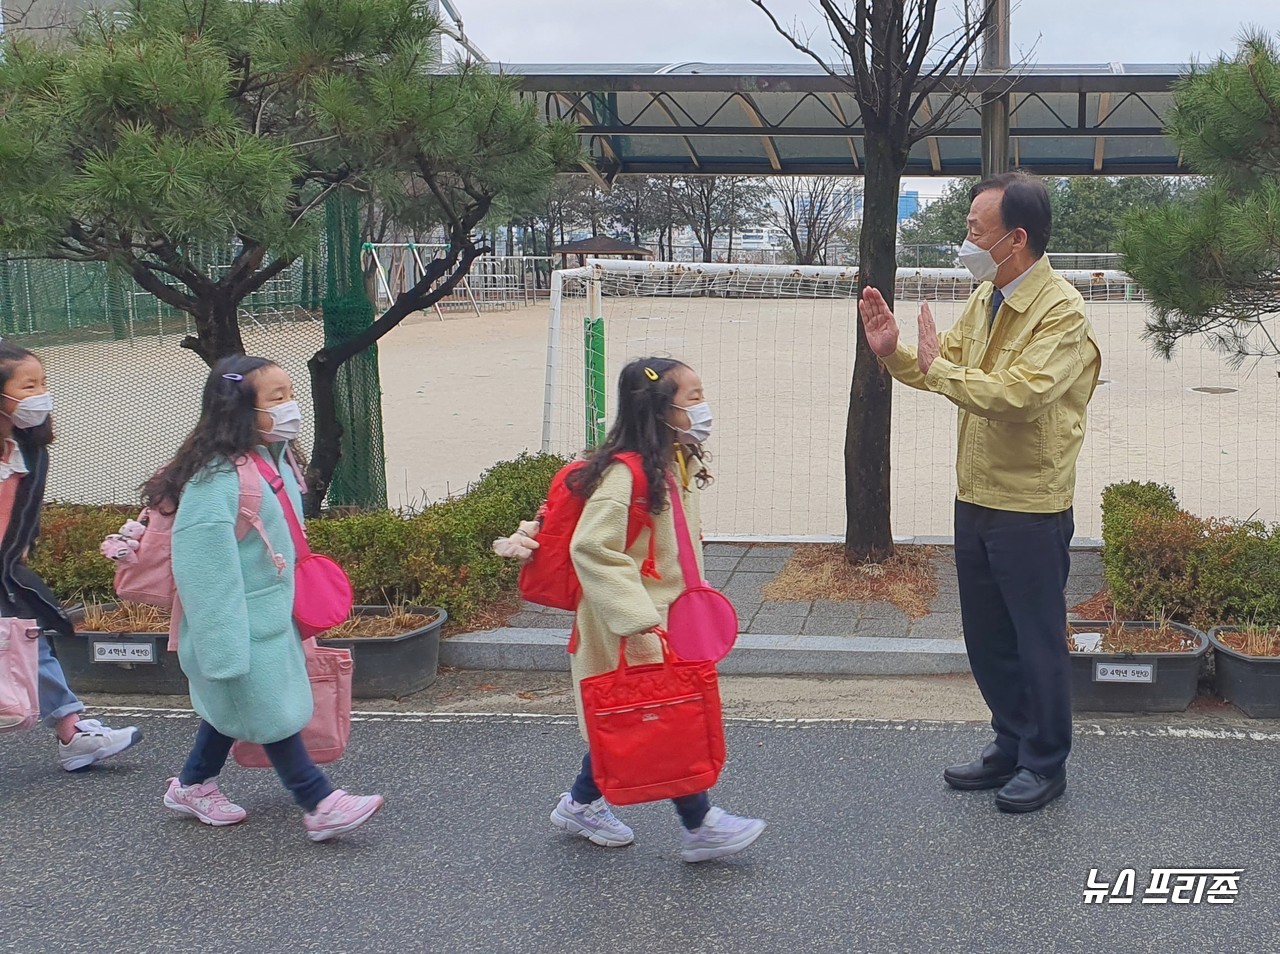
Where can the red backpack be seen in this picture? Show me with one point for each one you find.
(549, 579)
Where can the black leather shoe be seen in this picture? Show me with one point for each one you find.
(992, 769)
(1029, 792)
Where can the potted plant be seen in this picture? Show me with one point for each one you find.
(122, 647)
(396, 649)
(1247, 668)
(1134, 666)
(119, 647)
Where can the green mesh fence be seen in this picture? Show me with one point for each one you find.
(361, 477)
(126, 393)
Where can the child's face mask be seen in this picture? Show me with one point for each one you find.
(699, 430)
(30, 411)
(286, 421)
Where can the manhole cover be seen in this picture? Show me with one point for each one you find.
(1215, 390)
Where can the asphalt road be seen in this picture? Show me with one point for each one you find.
(866, 848)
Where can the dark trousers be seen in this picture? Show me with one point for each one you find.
(692, 809)
(1012, 569)
(308, 785)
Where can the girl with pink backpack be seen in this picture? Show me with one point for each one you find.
(26, 431)
(238, 642)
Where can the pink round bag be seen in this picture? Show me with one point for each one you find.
(701, 623)
(322, 593)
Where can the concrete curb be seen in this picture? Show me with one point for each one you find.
(754, 655)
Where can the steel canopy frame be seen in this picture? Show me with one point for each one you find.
(690, 119)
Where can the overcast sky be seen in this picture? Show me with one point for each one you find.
(734, 31)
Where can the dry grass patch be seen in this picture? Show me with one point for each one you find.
(123, 618)
(1254, 641)
(820, 572)
(395, 623)
(1119, 638)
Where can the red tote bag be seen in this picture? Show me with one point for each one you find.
(326, 735)
(654, 731)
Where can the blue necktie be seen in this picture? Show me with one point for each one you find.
(997, 300)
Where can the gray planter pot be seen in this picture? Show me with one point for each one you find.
(108, 670)
(385, 667)
(1109, 682)
(389, 667)
(1250, 682)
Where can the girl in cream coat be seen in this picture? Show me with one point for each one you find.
(664, 417)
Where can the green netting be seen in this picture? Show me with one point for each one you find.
(361, 477)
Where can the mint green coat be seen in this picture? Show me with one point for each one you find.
(237, 642)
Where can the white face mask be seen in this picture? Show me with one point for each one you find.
(699, 424)
(32, 411)
(980, 262)
(286, 421)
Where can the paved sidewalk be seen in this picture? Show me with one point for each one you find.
(867, 851)
(742, 571)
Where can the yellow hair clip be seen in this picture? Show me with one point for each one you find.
(651, 374)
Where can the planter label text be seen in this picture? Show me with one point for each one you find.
(117, 651)
(1124, 672)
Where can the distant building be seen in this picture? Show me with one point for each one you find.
(908, 205)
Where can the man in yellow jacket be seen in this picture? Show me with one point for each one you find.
(1021, 365)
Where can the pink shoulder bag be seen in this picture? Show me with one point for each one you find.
(19, 674)
(701, 623)
(322, 594)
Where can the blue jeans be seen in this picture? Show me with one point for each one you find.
(289, 757)
(56, 700)
(692, 809)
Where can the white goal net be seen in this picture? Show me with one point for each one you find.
(774, 346)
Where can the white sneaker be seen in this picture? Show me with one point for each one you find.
(94, 742)
(595, 822)
(721, 834)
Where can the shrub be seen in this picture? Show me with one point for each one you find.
(439, 555)
(67, 557)
(1159, 560)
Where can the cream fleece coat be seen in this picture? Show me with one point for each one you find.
(616, 600)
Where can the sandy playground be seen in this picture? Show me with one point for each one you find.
(465, 392)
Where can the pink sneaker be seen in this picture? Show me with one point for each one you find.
(339, 814)
(205, 802)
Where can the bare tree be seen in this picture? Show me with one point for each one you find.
(813, 211)
(713, 205)
(898, 71)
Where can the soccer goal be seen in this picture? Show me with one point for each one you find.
(774, 345)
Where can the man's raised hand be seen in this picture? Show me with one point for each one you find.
(878, 320)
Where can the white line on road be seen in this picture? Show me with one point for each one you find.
(911, 725)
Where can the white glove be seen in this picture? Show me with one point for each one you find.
(520, 545)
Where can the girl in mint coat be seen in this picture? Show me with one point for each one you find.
(237, 641)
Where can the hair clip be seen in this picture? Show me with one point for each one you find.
(651, 374)
(234, 377)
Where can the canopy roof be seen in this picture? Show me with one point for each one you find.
(797, 119)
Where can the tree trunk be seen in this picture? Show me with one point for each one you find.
(218, 328)
(868, 529)
(326, 450)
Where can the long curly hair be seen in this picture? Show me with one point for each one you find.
(646, 390)
(12, 355)
(227, 430)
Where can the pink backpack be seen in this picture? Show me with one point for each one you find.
(148, 577)
(19, 674)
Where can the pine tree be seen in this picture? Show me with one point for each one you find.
(172, 128)
(1211, 266)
